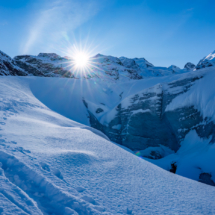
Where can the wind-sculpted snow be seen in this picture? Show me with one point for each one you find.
(53, 165)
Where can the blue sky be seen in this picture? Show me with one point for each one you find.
(164, 32)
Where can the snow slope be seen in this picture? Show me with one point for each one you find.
(53, 165)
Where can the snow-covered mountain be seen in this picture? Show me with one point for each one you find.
(9, 67)
(164, 115)
(103, 67)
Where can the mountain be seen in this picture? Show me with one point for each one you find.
(103, 67)
(9, 67)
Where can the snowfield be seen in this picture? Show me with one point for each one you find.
(50, 164)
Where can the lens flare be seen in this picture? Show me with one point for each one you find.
(81, 60)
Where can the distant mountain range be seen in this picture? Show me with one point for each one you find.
(53, 65)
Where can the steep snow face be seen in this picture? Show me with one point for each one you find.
(9, 67)
(50, 164)
(207, 61)
(200, 95)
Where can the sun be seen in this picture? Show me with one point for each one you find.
(81, 60)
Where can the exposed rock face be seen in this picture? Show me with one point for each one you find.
(142, 120)
(99, 110)
(143, 63)
(136, 63)
(173, 168)
(31, 69)
(45, 64)
(189, 66)
(51, 56)
(206, 178)
(174, 68)
(129, 63)
(9, 67)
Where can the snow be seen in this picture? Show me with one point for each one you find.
(194, 157)
(209, 58)
(72, 92)
(118, 127)
(7, 64)
(102, 67)
(141, 111)
(51, 164)
(201, 95)
(4, 57)
(163, 151)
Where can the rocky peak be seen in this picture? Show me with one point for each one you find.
(189, 66)
(129, 63)
(9, 67)
(4, 56)
(51, 56)
(174, 68)
(98, 55)
(143, 63)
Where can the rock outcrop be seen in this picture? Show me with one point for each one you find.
(45, 64)
(143, 120)
(9, 67)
